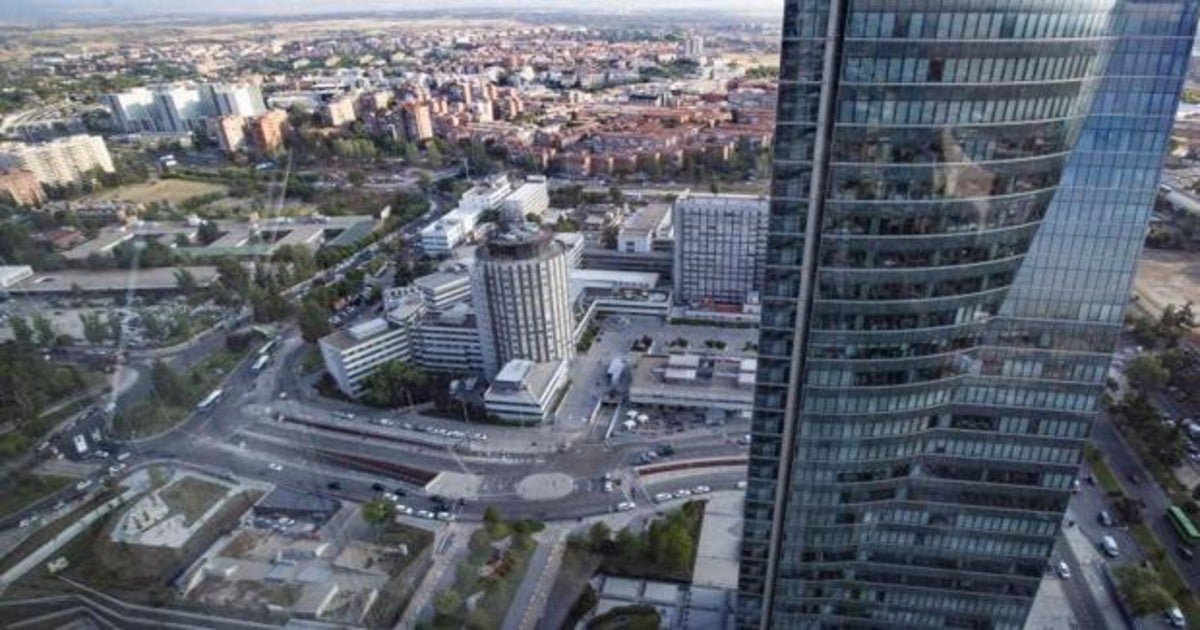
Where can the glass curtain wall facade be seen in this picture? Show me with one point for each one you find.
(960, 194)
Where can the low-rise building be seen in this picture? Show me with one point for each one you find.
(12, 274)
(231, 133)
(525, 391)
(691, 381)
(267, 131)
(650, 223)
(531, 197)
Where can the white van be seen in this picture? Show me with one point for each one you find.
(1109, 545)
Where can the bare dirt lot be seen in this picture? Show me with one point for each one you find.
(1167, 277)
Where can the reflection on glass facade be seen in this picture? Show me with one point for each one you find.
(960, 193)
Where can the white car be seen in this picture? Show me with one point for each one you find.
(404, 509)
(275, 467)
(701, 490)
(388, 496)
(625, 506)
(608, 486)
(663, 496)
(387, 422)
(741, 485)
(682, 492)
(445, 516)
(1063, 570)
(425, 514)
(116, 469)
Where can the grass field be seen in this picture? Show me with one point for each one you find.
(173, 190)
(192, 497)
(26, 489)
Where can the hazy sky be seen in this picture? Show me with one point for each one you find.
(41, 10)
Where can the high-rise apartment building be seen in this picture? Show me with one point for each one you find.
(720, 245)
(61, 161)
(21, 187)
(418, 124)
(521, 293)
(238, 100)
(267, 131)
(231, 133)
(340, 111)
(181, 108)
(960, 193)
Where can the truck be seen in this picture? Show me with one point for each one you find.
(81, 446)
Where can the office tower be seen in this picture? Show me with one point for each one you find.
(959, 197)
(418, 124)
(133, 110)
(61, 161)
(521, 294)
(693, 47)
(238, 100)
(720, 245)
(352, 355)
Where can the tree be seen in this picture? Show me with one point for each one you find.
(434, 155)
(448, 603)
(314, 321)
(95, 331)
(615, 195)
(22, 333)
(378, 512)
(393, 383)
(1147, 372)
(356, 178)
(168, 384)
(491, 516)
(44, 330)
(185, 281)
(234, 277)
(1142, 589)
(599, 536)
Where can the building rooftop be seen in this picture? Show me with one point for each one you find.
(438, 279)
(647, 219)
(158, 278)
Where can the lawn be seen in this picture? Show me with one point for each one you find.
(23, 489)
(175, 191)
(192, 497)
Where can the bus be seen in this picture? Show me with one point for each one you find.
(1183, 525)
(260, 363)
(209, 400)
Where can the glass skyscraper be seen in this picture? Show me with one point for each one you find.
(960, 194)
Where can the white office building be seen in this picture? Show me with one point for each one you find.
(720, 246)
(183, 108)
(531, 197)
(448, 342)
(458, 225)
(442, 290)
(60, 161)
(525, 391)
(353, 354)
(648, 224)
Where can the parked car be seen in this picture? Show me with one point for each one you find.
(625, 506)
(1105, 518)
(1063, 570)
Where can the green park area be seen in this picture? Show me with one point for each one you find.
(192, 497)
(499, 554)
(174, 395)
